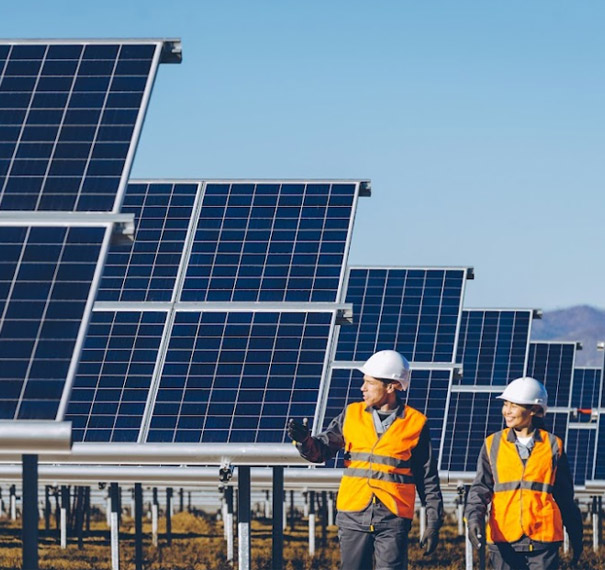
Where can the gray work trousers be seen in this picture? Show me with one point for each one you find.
(504, 557)
(387, 547)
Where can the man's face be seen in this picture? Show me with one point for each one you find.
(375, 392)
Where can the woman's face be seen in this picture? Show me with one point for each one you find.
(517, 416)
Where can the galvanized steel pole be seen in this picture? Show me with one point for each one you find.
(243, 518)
(30, 512)
(115, 527)
(138, 526)
(277, 552)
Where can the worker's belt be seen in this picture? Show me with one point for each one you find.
(378, 475)
(529, 485)
(380, 459)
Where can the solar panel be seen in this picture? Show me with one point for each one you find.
(428, 393)
(70, 113)
(492, 345)
(70, 116)
(46, 276)
(415, 311)
(146, 269)
(580, 449)
(111, 388)
(238, 376)
(215, 347)
(271, 241)
(586, 388)
(472, 415)
(552, 363)
(599, 467)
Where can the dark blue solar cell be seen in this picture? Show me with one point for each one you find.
(492, 346)
(66, 91)
(249, 381)
(115, 374)
(49, 273)
(401, 309)
(580, 449)
(552, 364)
(586, 388)
(471, 417)
(244, 230)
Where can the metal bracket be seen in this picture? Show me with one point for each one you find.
(225, 472)
(123, 233)
(172, 52)
(344, 316)
(365, 188)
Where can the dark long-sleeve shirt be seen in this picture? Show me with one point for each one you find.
(325, 446)
(482, 490)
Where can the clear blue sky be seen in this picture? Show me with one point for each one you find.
(480, 124)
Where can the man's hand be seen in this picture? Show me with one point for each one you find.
(475, 535)
(429, 540)
(298, 432)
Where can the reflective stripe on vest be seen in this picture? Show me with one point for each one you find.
(379, 466)
(522, 503)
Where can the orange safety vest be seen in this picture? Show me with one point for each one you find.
(522, 503)
(379, 466)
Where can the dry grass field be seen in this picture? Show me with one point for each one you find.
(198, 544)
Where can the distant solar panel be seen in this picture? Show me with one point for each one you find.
(70, 113)
(580, 449)
(492, 345)
(586, 388)
(428, 393)
(114, 375)
(271, 241)
(147, 268)
(413, 310)
(472, 415)
(46, 289)
(553, 363)
(599, 467)
(238, 376)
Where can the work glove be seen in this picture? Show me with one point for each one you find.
(475, 535)
(429, 540)
(298, 432)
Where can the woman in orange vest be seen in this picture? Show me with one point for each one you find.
(388, 458)
(523, 473)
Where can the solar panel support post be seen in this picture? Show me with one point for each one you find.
(228, 522)
(138, 526)
(30, 512)
(292, 521)
(154, 517)
(277, 549)
(47, 507)
(330, 508)
(64, 507)
(169, 516)
(13, 502)
(460, 508)
(266, 504)
(243, 517)
(181, 500)
(311, 496)
(115, 526)
(324, 518)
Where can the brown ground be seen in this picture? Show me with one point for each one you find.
(198, 545)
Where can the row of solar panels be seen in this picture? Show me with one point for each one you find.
(223, 317)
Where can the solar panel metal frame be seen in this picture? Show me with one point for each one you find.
(341, 311)
(167, 51)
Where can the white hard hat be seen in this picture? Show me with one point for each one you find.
(526, 391)
(388, 365)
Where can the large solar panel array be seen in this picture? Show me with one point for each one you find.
(70, 116)
(492, 349)
(229, 290)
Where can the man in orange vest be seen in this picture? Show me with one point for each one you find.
(523, 473)
(388, 458)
